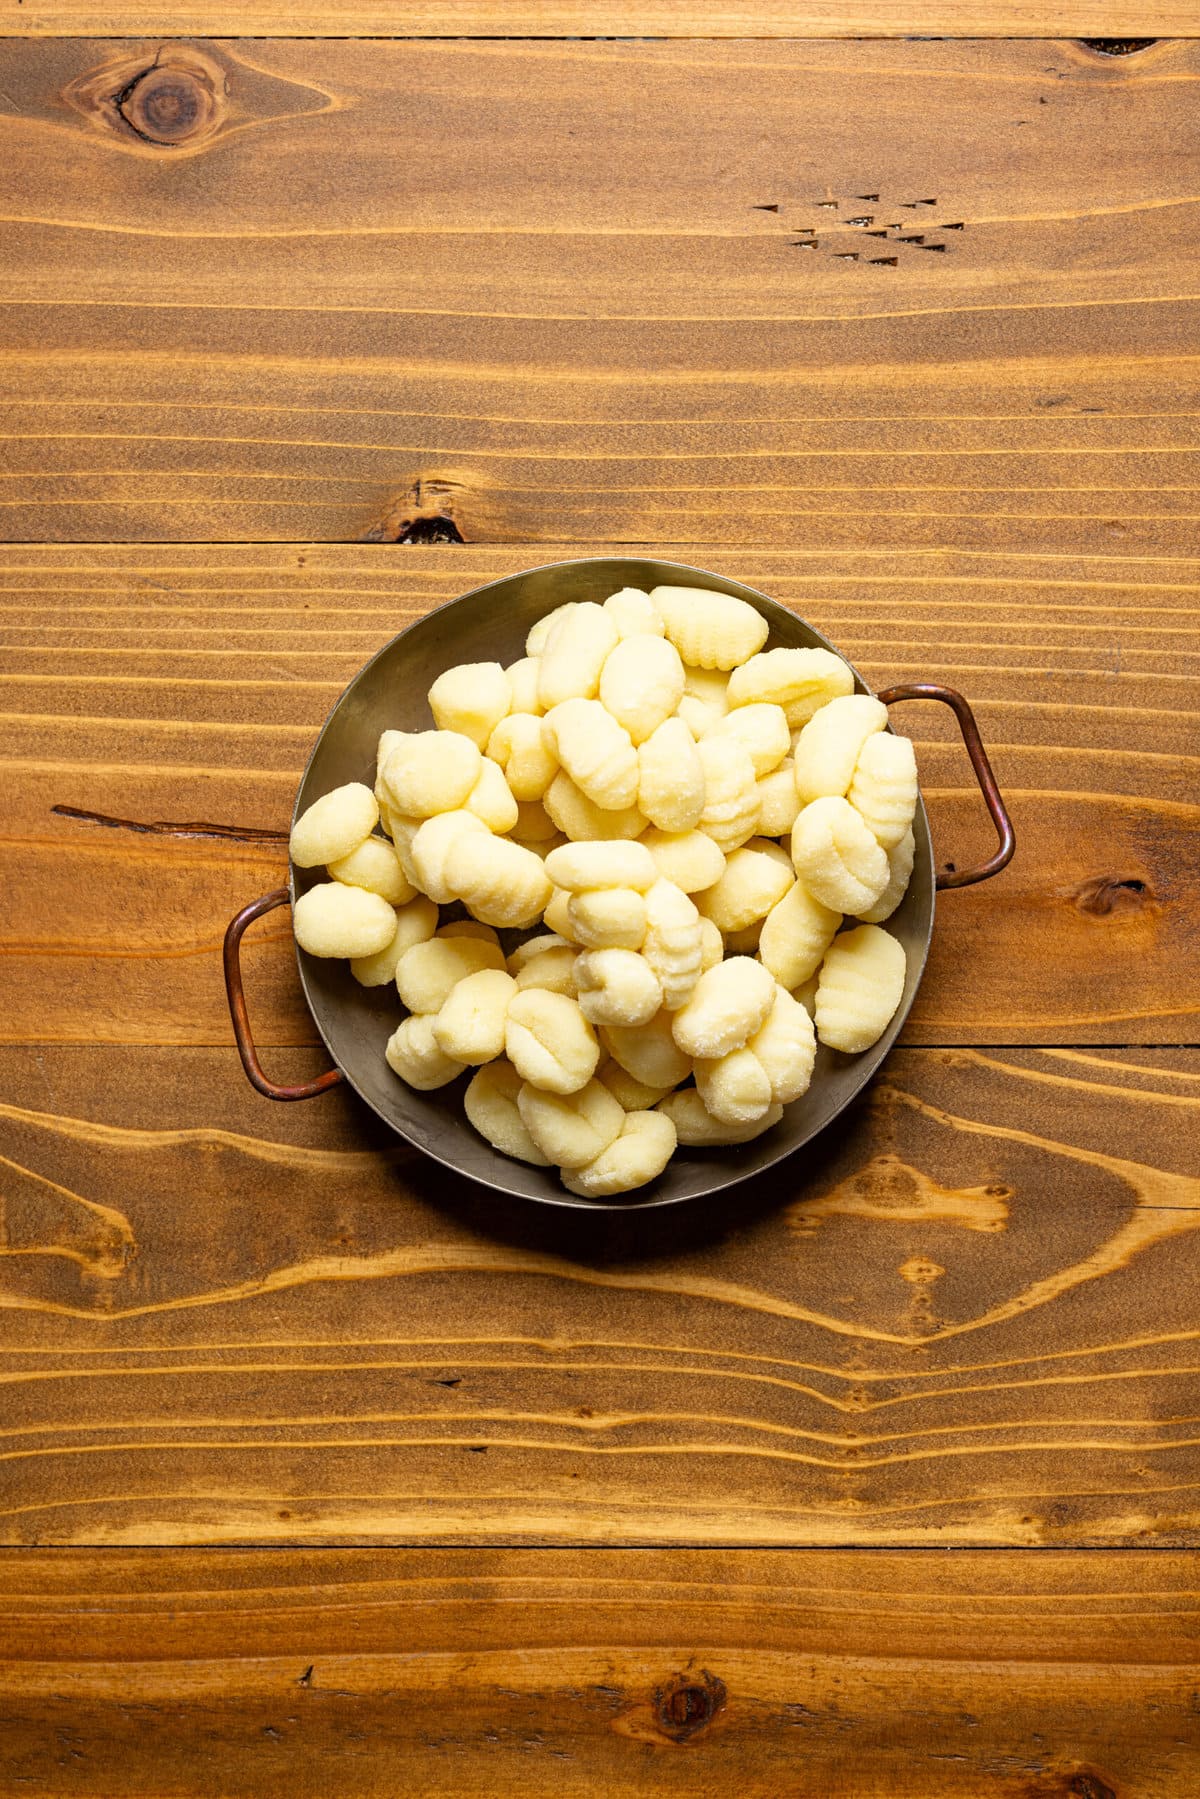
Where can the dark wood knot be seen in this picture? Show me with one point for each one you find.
(168, 105)
(688, 1704)
(1119, 46)
(1089, 1786)
(1106, 894)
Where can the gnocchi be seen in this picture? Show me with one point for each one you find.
(617, 795)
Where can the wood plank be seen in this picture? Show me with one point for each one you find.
(596, 329)
(966, 1317)
(1061, 1676)
(188, 683)
(1105, 19)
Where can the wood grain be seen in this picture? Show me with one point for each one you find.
(1061, 1676)
(598, 329)
(965, 1317)
(1105, 19)
(189, 683)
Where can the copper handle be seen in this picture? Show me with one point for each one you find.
(237, 1006)
(929, 690)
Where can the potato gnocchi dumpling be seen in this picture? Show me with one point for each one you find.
(861, 985)
(334, 826)
(490, 1103)
(710, 630)
(617, 797)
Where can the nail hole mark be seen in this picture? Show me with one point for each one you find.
(477, 1448)
(1118, 46)
(431, 530)
(949, 868)
(305, 1679)
(774, 208)
(454, 1380)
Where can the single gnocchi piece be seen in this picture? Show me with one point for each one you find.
(471, 698)
(549, 1042)
(415, 923)
(571, 1129)
(641, 684)
(491, 799)
(375, 866)
(726, 1008)
(801, 681)
(730, 813)
(539, 634)
(500, 883)
(860, 987)
(754, 880)
(616, 986)
(786, 1048)
(430, 772)
(430, 850)
(633, 1095)
(795, 935)
(470, 1023)
(427, 973)
(595, 751)
(712, 945)
(735, 1088)
(761, 729)
(553, 969)
(490, 1103)
(690, 859)
(608, 918)
(900, 866)
(884, 789)
(837, 857)
(574, 654)
(696, 1128)
(332, 920)
(639, 1155)
(582, 820)
(671, 778)
(634, 613)
(579, 867)
(648, 1052)
(414, 1053)
(519, 748)
(523, 685)
(710, 630)
(830, 743)
(778, 801)
(672, 943)
(333, 826)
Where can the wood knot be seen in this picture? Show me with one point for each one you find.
(1105, 894)
(1089, 1786)
(1118, 46)
(688, 1704)
(168, 106)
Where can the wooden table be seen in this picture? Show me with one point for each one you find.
(322, 1474)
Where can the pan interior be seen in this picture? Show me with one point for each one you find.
(490, 625)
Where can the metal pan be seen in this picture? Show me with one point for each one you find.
(491, 624)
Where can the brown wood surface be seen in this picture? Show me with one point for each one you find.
(1112, 21)
(967, 1317)
(188, 684)
(785, 1676)
(287, 290)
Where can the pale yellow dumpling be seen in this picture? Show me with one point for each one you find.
(553, 969)
(828, 747)
(837, 857)
(710, 630)
(427, 973)
(595, 751)
(430, 772)
(641, 684)
(761, 729)
(580, 819)
(430, 850)
(672, 944)
(649, 1053)
(730, 813)
(549, 1041)
(637, 1156)
(860, 987)
(574, 654)
(884, 789)
(900, 866)
(786, 1048)
(727, 1006)
(519, 748)
(580, 867)
(735, 1087)
(471, 698)
(608, 918)
(795, 935)
(470, 1024)
(415, 923)
(778, 801)
(671, 784)
(633, 1095)
(414, 1053)
(634, 613)
(491, 799)
(801, 681)
(332, 920)
(490, 1103)
(499, 882)
(755, 879)
(523, 685)
(688, 858)
(333, 826)
(375, 866)
(571, 1129)
(696, 1128)
(616, 986)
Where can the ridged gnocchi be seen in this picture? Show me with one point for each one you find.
(617, 796)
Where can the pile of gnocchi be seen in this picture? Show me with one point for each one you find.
(672, 823)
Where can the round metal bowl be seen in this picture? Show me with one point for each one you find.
(491, 624)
